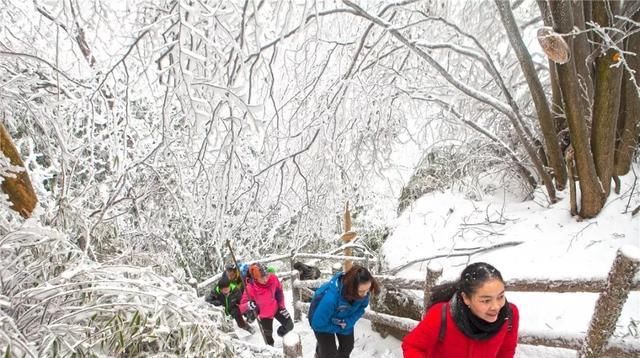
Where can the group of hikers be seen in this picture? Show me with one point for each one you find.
(469, 317)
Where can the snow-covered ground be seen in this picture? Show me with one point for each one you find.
(554, 246)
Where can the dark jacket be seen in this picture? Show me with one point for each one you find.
(423, 342)
(230, 301)
(333, 308)
(307, 272)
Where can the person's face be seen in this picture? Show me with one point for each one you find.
(232, 274)
(364, 288)
(225, 290)
(487, 301)
(263, 280)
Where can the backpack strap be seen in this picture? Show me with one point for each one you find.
(443, 323)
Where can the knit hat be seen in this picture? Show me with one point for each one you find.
(257, 271)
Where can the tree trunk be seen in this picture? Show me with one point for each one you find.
(581, 51)
(19, 189)
(629, 120)
(557, 111)
(537, 93)
(606, 105)
(592, 197)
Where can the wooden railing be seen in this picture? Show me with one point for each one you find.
(613, 295)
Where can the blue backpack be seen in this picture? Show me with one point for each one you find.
(317, 297)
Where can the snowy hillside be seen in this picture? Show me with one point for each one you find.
(554, 246)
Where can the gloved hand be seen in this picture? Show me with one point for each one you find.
(253, 307)
(250, 316)
(284, 313)
(339, 322)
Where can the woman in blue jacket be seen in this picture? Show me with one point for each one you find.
(335, 309)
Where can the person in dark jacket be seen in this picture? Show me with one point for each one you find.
(232, 273)
(468, 318)
(342, 303)
(228, 295)
(307, 272)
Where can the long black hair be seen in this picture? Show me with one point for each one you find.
(471, 278)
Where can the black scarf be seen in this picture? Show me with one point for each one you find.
(473, 326)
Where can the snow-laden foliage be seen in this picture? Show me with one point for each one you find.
(55, 302)
(161, 129)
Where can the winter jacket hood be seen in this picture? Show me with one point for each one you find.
(333, 309)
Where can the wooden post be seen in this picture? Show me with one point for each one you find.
(347, 236)
(434, 271)
(610, 302)
(292, 345)
(295, 292)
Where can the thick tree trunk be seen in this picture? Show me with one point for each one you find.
(592, 196)
(557, 111)
(581, 51)
(19, 189)
(629, 120)
(606, 105)
(537, 93)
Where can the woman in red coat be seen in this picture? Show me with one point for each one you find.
(468, 318)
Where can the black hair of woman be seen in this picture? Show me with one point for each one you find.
(471, 278)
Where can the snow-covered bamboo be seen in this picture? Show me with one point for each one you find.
(610, 302)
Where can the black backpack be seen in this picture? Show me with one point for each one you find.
(443, 323)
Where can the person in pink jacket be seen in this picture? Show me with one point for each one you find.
(263, 298)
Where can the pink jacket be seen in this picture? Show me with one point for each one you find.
(268, 297)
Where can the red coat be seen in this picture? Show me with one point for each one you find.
(422, 342)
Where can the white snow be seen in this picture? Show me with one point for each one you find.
(631, 252)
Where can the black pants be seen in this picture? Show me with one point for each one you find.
(286, 325)
(327, 348)
(239, 319)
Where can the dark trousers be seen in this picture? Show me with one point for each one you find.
(239, 319)
(286, 324)
(327, 348)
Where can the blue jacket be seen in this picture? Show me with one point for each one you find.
(333, 308)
